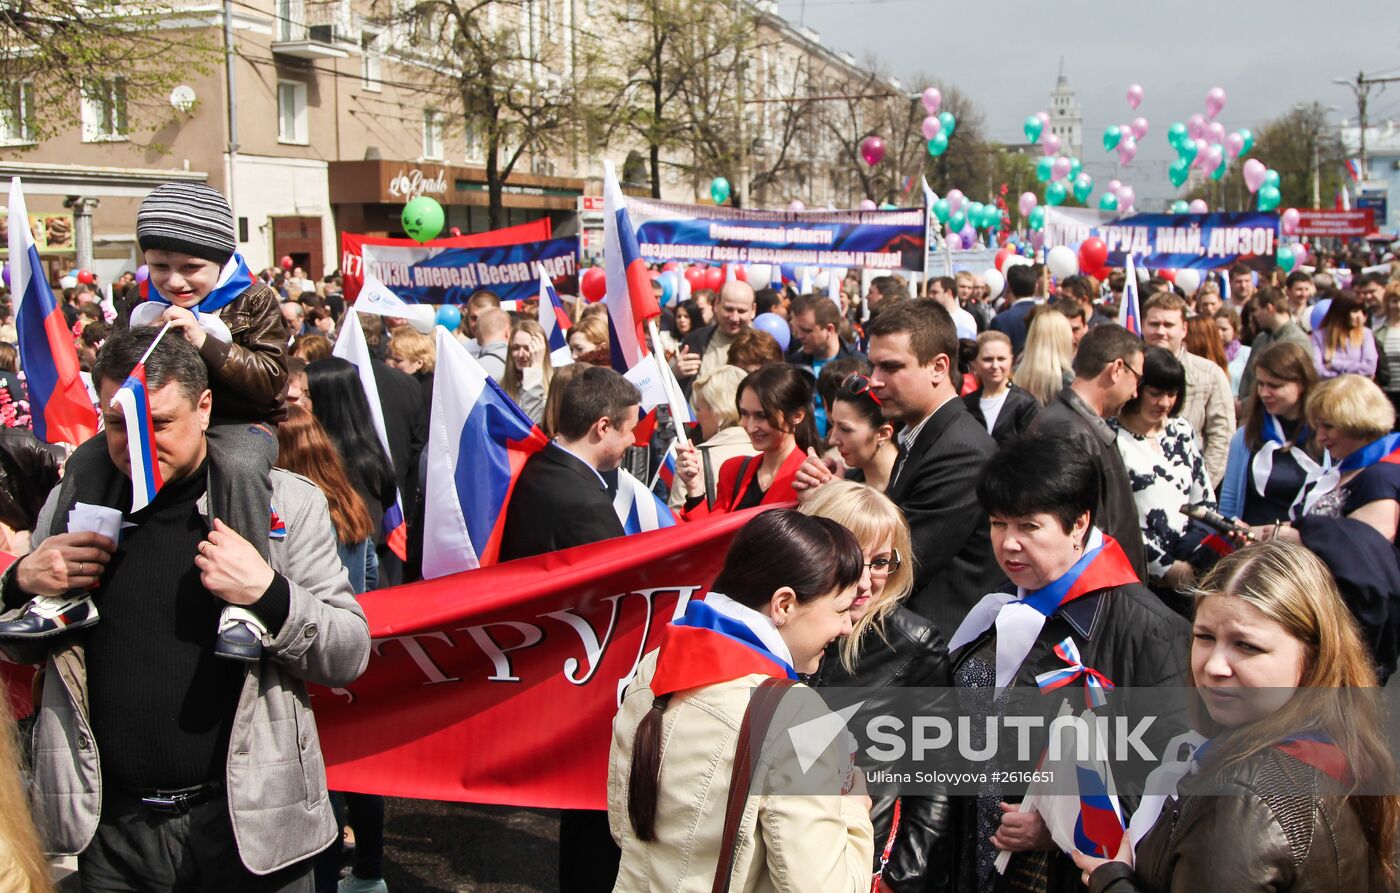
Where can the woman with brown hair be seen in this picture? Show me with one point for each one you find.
(528, 368)
(1343, 343)
(311, 347)
(588, 339)
(1203, 340)
(1294, 790)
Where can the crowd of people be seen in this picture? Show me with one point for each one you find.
(978, 478)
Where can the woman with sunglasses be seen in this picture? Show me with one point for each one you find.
(861, 434)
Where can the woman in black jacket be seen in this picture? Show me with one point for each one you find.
(1004, 408)
(1040, 492)
(889, 647)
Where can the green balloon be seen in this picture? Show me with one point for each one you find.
(1055, 193)
(942, 210)
(1248, 139)
(1083, 187)
(1219, 173)
(1044, 169)
(1176, 134)
(1286, 259)
(1187, 151)
(422, 218)
(949, 123)
(956, 221)
(991, 217)
(1108, 202)
(1075, 166)
(973, 212)
(1032, 128)
(1037, 218)
(719, 190)
(887, 206)
(1271, 178)
(1269, 198)
(1111, 136)
(1179, 171)
(1181, 206)
(938, 145)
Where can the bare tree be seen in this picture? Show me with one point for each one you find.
(1299, 145)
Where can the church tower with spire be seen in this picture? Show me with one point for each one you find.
(1066, 118)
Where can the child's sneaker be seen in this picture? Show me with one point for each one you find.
(240, 635)
(47, 616)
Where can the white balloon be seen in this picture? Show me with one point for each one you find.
(1188, 280)
(760, 275)
(1142, 274)
(995, 281)
(822, 280)
(1062, 262)
(1016, 260)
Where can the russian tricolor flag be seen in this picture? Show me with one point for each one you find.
(61, 409)
(666, 471)
(352, 348)
(638, 508)
(133, 400)
(1132, 314)
(630, 299)
(555, 322)
(478, 446)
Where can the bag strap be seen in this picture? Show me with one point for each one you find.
(753, 728)
(709, 476)
(739, 481)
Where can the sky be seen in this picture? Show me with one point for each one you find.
(1005, 55)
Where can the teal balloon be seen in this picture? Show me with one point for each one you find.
(1271, 178)
(949, 123)
(1044, 169)
(886, 206)
(1075, 166)
(422, 218)
(956, 221)
(1055, 193)
(1269, 198)
(942, 210)
(1248, 136)
(719, 190)
(1186, 151)
(973, 212)
(1286, 260)
(1179, 171)
(1219, 173)
(938, 145)
(1037, 218)
(1111, 136)
(1181, 206)
(991, 217)
(1083, 187)
(1032, 128)
(1177, 134)
(1108, 202)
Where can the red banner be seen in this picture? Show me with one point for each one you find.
(352, 259)
(1340, 224)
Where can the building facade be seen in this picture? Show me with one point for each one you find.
(1066, 117)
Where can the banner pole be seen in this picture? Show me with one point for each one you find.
(668, 381)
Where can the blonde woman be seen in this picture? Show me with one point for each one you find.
(1293, 791)
(23, 868)
(889, 647)
(1046, 362)
(412, 352)
(528, 369)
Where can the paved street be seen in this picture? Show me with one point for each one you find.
(439, 847)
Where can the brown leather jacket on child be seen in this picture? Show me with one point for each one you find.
(249, 376)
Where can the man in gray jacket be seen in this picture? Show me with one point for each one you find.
(210, 773)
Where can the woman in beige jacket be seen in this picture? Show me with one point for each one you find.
(783, 595)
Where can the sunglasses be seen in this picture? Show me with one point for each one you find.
(857, 384)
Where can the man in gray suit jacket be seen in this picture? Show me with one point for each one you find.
(210, 771)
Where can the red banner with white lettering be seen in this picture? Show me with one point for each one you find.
(352, 244)
(1329, 222)
(499, 685)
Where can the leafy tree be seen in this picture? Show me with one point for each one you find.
(1295, 144)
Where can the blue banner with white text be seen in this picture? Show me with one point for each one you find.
(422, 275)
(1171, 241)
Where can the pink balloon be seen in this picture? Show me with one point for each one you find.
(1028, 203)
(1061, 168)
(932, 100)
(1049, 144)
(796, 205)
(932, 127)
(1127, 150)
(1038, 239)
(1234, 145)
(1126, 197)
(1114, 186)
(1215, 101)
(1254, 172)
(872, 149)
(1300, 253)
(1139, 127)
(1044, 118)
(1198, 206)
(955, 200)
(954, 241)
(1201, 146)
(1289, 220)
(1196, 126)
(867, 205)
(1215, 132)
(1135, 96)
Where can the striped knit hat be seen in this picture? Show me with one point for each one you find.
(188, 218)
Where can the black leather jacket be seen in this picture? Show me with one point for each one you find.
(912, 653)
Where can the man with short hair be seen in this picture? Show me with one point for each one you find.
(1241, 286)
(1107, 370)
(1370, 289)
(1083, 291)
(886, 290)
(963, 322)
(1021, 281)
(1301, 292)
(1273, 318)
(706, 349)
(942, 449)
(1077, 315)
(561, 500)
(162, 766)
(493, 341)
(481, 299)
(1208, 403)
(294, 315)
(815, 324)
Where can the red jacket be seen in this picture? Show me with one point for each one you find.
(730, 487)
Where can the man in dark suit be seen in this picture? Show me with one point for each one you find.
(561, 500)
(942, 449)
(1014, 321)
(1107, 369)
(406, 425)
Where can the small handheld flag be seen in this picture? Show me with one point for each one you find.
(638, 508)
(1132, 314)
(133, 399)
(555, 322)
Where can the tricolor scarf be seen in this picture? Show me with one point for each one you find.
(718, 640)
(1262, 466)
(234, 280)
(1020, 618)
(1386, 450)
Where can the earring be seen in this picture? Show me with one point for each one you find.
(778, 622)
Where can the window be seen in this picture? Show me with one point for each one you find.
(104, 110)
(291, 112)
(291, 20)
(432, 135)
(17, 114)
(370, 62)
(476, 147)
